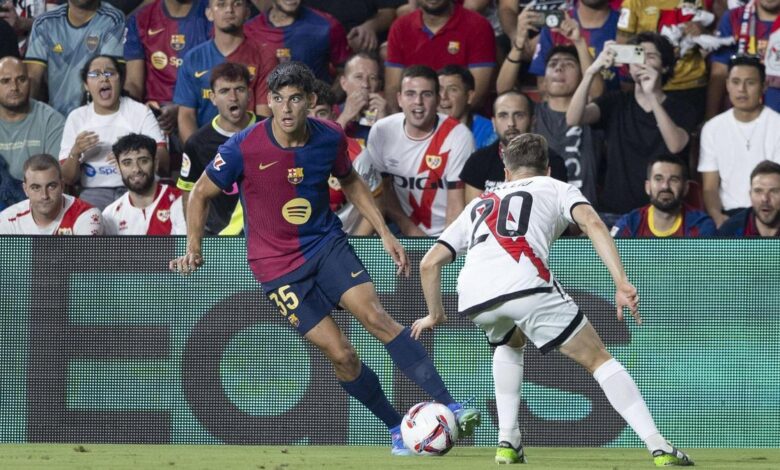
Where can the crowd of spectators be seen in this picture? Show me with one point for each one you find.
(664, 113)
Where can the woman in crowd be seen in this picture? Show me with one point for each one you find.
(91, 130)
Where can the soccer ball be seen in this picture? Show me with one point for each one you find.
(429, 429)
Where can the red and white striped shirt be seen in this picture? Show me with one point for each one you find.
(164, 216)
(76, 218)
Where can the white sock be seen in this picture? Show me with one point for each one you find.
(508, 382)
(624, 396)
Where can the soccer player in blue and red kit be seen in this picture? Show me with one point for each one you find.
(297, 250)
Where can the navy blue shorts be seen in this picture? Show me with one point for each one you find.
(308, 294)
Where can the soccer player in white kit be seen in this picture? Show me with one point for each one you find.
(506, 288)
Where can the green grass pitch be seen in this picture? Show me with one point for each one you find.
(186, 457)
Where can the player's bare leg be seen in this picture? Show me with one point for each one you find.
(365, 306)
(356, 378)
(407, 353)
(508, 382)
(587, 349)
(329, 339)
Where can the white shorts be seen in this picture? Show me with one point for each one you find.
(547, 319)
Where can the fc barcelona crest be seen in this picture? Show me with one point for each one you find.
(433, 161)
(283, 55)
(163, 215)
(295, 175)
(453, 47)
(177, 42)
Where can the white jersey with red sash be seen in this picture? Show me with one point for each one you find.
(76, 218)
(164, 216)
(507, 234)
(422, 170)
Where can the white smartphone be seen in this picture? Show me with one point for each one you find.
(628, 54)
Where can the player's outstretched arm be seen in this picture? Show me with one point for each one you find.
(430, 277)
(197, 210)
(625, 294)
(357, 192)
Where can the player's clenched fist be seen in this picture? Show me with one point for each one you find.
(186, 264)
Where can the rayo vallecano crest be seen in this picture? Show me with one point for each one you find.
(163, 215)
(433, 161)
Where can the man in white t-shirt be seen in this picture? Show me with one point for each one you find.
(506, 288)
(420, 155)
(48, 211)
(735, 141)
(148, 207)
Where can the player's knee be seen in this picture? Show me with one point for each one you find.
(345, 358)
(380, 324)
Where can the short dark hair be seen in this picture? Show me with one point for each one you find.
(767, 167)
(562, 49)
(673, 159)
(665, 48)
(465, 74)
(527, 150)
(130, 142)
(231, 72)
(363, 55)
(294, 74)
(41, 162)
(422, 71)
(748, 61)
(324, 93)
(531, 104)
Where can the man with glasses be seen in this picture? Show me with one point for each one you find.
(193, 88)
(735, 141)
(62, 41)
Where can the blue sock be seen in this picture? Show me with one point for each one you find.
(411, 357)
(367, 390)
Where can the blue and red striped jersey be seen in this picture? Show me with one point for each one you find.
(284, 193)
(161, 42)
(314, 38)
(638, 224)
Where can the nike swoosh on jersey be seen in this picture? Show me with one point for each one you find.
(262, 167)
(357, 273)
(154, 32)
(201, 73)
